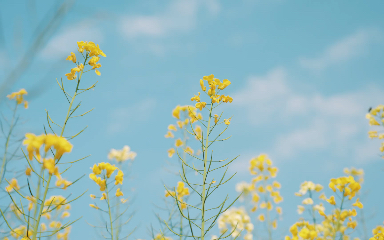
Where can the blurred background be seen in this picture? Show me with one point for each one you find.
(303, 75)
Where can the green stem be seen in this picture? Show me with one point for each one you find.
(7, 144)
(109, 208)
(338, 220)
(118, 209)
(313, 211)
(205, 175)
(268, 217)
(36, 227)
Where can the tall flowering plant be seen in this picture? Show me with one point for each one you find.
(48, 164)
(205, 186)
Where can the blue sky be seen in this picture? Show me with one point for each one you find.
(303, 77)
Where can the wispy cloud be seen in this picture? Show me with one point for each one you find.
(65, 41)
(343, 50)
(122, 117)
(314, 122)
(179, 16)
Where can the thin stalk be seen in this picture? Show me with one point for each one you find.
(117, 210)
(205, 175)
(109, 209)
(36, 227)
(313, 211)
(7, 144)
(268, 216)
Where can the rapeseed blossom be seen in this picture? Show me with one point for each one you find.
(180, 192)
(236, 220)
(12, 185)
(92, 52)
(122, 155)
(19, 97)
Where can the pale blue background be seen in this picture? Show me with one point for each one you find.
(303, 73)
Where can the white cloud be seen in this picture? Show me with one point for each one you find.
(179, 16)
(312, 122)
(65, 41)
(343, 50)
(122, 117)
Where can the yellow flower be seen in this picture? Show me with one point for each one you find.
(171, 151)
(274, 224)
(72, 57)
(172, 127)
(358, 204)
(50, 165)
(169, 135)
(300, 209)
(119, 177)
(331, 200)
(224, 84)
(178, 143)
(176, 112)
(43, 227)
(307, 201)
(119, 193)
(72, 74)
(261, 218)
(200, 105)
(372, 120)
(372, 134)
(279, 210)
(94, 206)
(61, 181)
(189, 150)
(122, 155)
(204, 88)
(19, 97)
(12, 185)
(226, 99)
(104, 196)
(28, 172)
(196, 98)
(216, 117)
(227, 121)
(33, 143)
(65, 214)
(181, 190)
(92, 196)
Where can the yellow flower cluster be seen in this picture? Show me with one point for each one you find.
(34, 143)
(19, 96)
(263, 190)
(12, 185)
(122, 155)
(244, 188)
(92, 51)
(339, 220)
(378, 233)
(214, 87)
(357, 174)
(181, 191)
(161, 237)
(21, 231)
(263, 167)
(185, 115)
(106, 170)
(374, 114)
(310, 188)
(376, 118)
(347, 185)
(302, 230)
(54, 208)
(238, 221)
